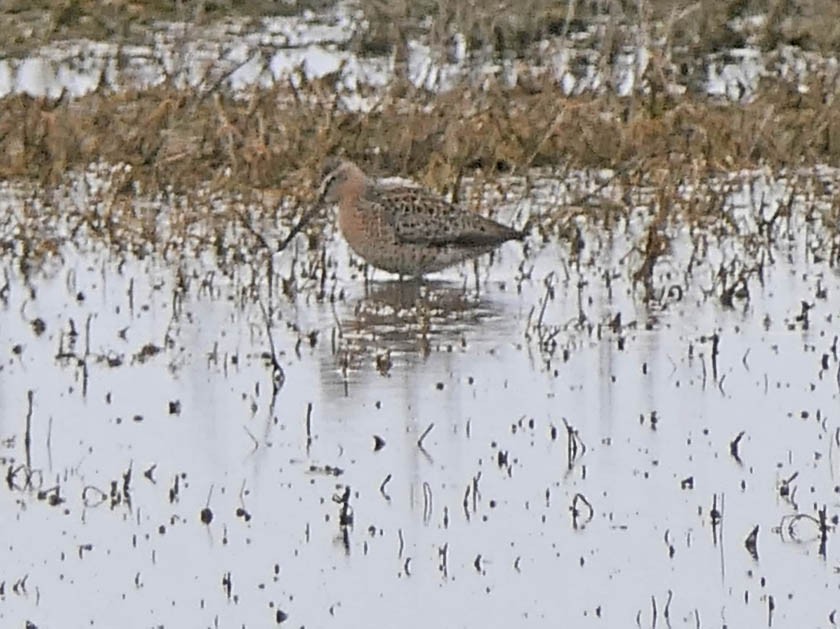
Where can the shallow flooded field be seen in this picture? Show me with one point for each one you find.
(586, 429)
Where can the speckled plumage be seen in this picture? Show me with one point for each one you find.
(406, 230)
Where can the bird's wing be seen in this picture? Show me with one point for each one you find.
(420, 217)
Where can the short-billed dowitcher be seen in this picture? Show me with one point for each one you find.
(403, 229)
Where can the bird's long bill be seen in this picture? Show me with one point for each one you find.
(322, 193)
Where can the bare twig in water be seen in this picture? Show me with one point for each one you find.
(297, 228)
(345, 517)
(423, 436)
(269, 261)
(278, 376)
(575, 447)
(382, 488)
(733, 446)
(27, 436)
(582, 511)
(751, 543)
(308, 427)
(206, 513)
(251, 229)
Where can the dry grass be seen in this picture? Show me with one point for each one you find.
(25, 24)
(507, 27)
(181, 138)
(270, 148)
(178, 137)
(275, 140)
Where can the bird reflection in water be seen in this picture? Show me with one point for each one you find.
(403, 322)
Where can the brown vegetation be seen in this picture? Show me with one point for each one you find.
(269, 145)
(701, 26)
(25, 24)
(181, 137)
(506, 26)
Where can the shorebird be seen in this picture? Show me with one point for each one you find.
(404, 229)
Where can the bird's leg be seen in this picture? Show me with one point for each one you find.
(366, 275)
(477, 281)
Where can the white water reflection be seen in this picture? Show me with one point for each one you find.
(240, 54)
(126, 377)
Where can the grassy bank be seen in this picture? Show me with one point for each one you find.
(276, 139)
(505, 26)
(179, 138)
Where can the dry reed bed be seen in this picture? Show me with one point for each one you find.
(277, 137)
(240, 166)
(512, 26)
